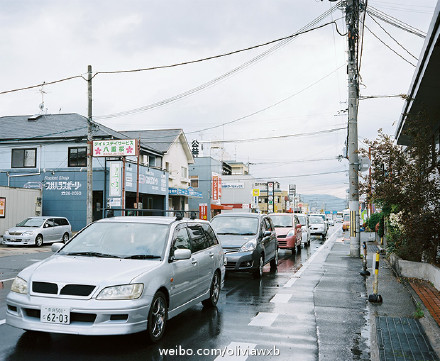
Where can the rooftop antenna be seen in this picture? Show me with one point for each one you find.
(41, 106)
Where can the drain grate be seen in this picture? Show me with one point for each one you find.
(402, 339)
(372, 248)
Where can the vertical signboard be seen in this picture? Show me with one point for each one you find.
(215, 187)
(115, 179)
(203, 211)
(2, 207)
(270, 197)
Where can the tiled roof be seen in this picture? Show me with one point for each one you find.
(158, 139)
(50, 126)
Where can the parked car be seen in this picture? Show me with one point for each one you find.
(323, 218)
(37, 231)
(119, 276)
(330, 221)
(317, 226)
(249, 241)
(304, 220)
(288, 230)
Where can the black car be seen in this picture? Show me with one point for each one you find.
(248, 240)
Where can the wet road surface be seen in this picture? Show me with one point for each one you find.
(244, 321)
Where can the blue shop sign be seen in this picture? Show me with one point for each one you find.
(190, 192)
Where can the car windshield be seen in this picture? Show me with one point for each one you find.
(31, 222)
(119, 240)
(282, 220)
(235, 225)
(347, 218)
(315, 220)
(302, 220)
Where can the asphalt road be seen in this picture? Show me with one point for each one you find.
(197, 330)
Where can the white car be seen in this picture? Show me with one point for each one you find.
(304, 220)
(119, 276)
(37, 231)
(317, 226)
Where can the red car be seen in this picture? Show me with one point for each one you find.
(288, 230)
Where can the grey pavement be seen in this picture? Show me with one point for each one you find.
(348, 326)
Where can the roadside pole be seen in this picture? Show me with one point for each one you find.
(89, 150)
(352, 20)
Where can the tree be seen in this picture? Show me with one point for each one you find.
(405, 182)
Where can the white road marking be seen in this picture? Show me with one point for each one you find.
(2, 322)
(236, 351)
(7, 279)
(281, 298)
(291, 282)
(264, 319)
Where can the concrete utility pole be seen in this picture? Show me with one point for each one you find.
(352, 9)
(89, 150)
(352, 20)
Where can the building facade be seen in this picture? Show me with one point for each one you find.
(49, 152)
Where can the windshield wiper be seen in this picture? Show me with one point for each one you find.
(90, 254)
(142, 256)
(228, 233)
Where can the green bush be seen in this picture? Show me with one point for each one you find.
(373, 220)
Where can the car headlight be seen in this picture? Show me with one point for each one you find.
(28, 233)
(19, 285)
(291, 233)
(122, 292)
(6, 232)
(249, 246)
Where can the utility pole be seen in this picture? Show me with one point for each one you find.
(352, 9)
(89, 150)
(352, 20)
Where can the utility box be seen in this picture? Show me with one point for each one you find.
(17, 204)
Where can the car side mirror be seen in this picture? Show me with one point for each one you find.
(180, 254)
(56, 247)
(267, 233)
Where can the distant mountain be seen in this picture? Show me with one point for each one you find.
(323, 201)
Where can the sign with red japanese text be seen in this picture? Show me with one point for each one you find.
(115, 148)
(2, 207)
(203, 211)
(219, 187)
(215, 187)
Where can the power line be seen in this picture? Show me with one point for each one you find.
(270, 106)
(276, 136)
(221, 55)
(372, 18)
(395, 52)
(223, 76)
(395, 22)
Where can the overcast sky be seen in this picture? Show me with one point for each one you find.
(299, 88)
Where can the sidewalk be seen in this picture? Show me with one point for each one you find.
(351, 328)
(396, 331)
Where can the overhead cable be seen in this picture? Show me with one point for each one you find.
(395, 52)
(372, 18)
(203, 86)
(395, 22)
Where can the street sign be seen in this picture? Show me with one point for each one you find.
(115, 148)
(270, 193)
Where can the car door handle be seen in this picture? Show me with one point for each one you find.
(211, 254)
(194, 262)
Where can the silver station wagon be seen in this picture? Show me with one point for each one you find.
(118, 276)
(38, 230)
